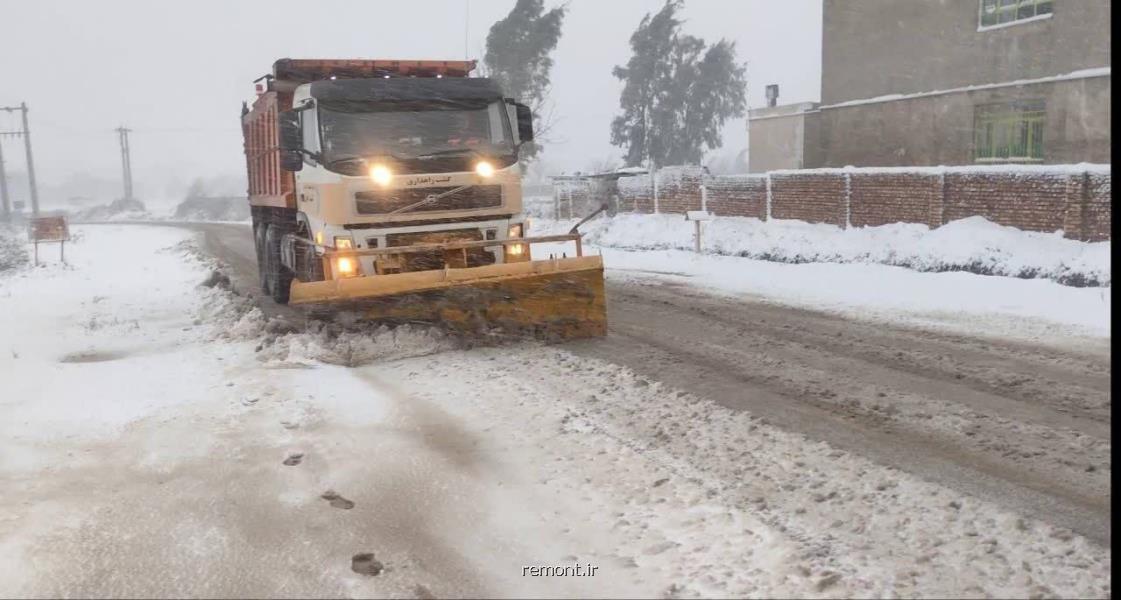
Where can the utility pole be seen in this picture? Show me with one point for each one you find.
(5, 205)
(126, 162)
(26, 133)
(30, 162)
(466, 29)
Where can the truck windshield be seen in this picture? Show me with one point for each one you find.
(414, 133)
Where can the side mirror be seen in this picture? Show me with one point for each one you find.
(525, 122)
(290, 141)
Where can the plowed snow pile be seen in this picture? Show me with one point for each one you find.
(973, 245)
(13, 249)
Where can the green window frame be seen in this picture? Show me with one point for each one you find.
(1000, 12)
(1009, 132)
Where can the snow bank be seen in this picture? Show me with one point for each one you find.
(974, 245)
(118, 210)
(343, 341)
(13, 249)
(213, 209)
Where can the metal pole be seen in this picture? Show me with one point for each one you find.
(126, 162)
(556, 201)
(30, 162)
(5, 204)
(466, 28)
(697, 236)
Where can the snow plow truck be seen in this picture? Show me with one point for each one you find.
(393, 188)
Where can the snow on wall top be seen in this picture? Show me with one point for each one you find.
(1071, 169)
(674, 176)
(667, 177)
(1080, 74)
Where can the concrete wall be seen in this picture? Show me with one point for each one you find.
(873, 48)
(939, 130)
(876, 47)
(779, 137)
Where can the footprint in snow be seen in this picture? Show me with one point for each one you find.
(337, 501)
(366, 564)
(294, 459)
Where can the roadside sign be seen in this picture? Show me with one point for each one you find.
(49, 228)
(697, 217)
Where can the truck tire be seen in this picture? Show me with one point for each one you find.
(278, 276)
(309, 266)
(259, 244)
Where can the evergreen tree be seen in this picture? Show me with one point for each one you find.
(677, 93)
(518, 57)
(197, 189)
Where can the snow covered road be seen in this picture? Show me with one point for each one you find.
(163, 439)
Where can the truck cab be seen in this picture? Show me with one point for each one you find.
(383, 154)
(396, 162)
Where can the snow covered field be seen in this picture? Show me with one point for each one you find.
(158, 437)
(853, 271)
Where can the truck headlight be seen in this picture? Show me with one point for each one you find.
(517, 253)
(484, 169)
(346, 266)
(381, 174)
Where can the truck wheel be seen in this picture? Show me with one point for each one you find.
(279, 278)
(259, 244)
(309, 266)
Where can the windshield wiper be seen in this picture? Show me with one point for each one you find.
(446, 153)
(344, 160)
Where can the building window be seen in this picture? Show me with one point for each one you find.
(1000, 12)
(1011, 132)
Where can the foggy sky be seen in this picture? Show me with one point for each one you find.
(177, 72)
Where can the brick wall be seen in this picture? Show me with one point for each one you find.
(1098, 220)
(879, 199)
(816, 197)
(737, 196)
(1035, 198)
(679, 190)
(1035, 202)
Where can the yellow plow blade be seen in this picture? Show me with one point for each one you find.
(554, 299)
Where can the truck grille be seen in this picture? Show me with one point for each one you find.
(423, 261)
(432, 237)
(379, 202)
